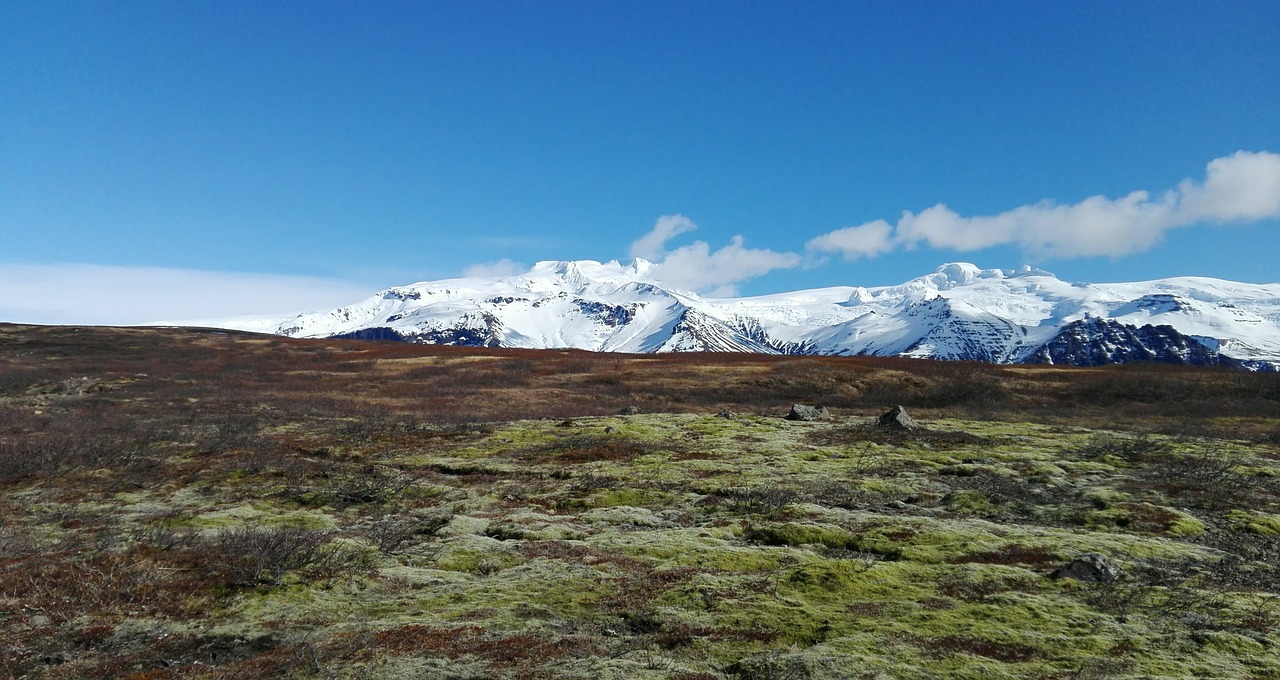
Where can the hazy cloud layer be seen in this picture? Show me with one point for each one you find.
(503, 267)
(699, 268)
(99, 294)
(1244, 186)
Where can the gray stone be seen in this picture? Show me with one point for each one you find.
(803, 412)
(629, 411)
(1091, 567)
(897, 419)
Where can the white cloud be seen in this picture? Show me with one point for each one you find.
(696, 267)
(99, 294)
(652, 246)
(864, 240)
(1244, 186)
(503, 267)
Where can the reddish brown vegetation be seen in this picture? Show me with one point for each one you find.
(90, 413)
(396, 387)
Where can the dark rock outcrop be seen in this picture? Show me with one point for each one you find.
(457, 337)
(897, 419)
(1091, 567)
(803, 412)
(1097, 342)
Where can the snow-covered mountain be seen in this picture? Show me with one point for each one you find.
(957, 312)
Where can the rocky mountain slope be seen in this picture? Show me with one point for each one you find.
(959, 312)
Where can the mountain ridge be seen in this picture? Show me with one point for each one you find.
(958, 312)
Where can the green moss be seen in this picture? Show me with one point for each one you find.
(1186, 525)
(969, 502)
(475, 554)
(1104, 498)
(884, 486)
(796, 534)
(638, 498)
(1145, 518)
(701, 548)
(814, 577)
(1259, 523)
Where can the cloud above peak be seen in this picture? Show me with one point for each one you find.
(699, 268)
(504, 267)
(653, 245)
(1244, 186)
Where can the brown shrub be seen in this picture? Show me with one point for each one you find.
(250, 556)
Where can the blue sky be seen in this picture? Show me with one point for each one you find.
(271, 157)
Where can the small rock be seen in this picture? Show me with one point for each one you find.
(1091, 567)
(727, 414)
(629, 411)
(803, 412)
(897, 419)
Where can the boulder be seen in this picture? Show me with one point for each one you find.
(803, 412)
(897, 419)
(1091, 567)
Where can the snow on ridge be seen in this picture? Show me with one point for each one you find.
(958, 311)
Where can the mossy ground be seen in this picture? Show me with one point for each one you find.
(659, 545)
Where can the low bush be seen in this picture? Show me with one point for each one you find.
(1207, 477)
(251, 556)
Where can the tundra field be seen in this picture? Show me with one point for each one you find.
(183, 503)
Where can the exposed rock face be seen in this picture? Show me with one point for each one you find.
(1091, 567)
(458, 337)
(1097, 342)
(897, 419)
(803, 412)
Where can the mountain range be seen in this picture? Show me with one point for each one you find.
(959, 312)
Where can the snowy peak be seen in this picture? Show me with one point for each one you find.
(957, 312)
(584, 273)
(957, 274)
